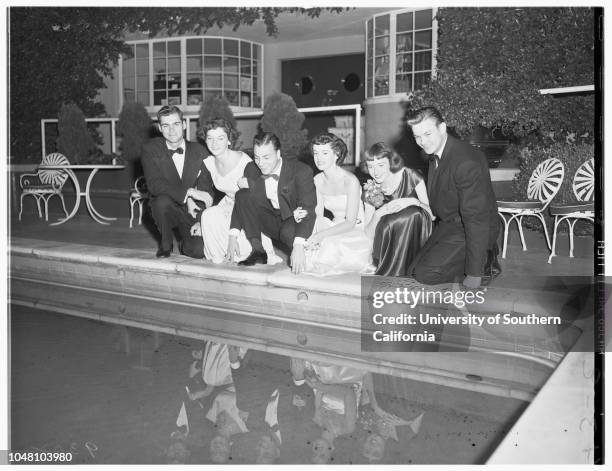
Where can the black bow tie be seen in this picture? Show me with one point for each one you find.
(274, 176)
(171, 152)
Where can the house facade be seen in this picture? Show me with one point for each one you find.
(372, 57)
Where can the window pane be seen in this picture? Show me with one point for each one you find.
(232, 97)
(421, 79)
(160, 82)
(382, 45)
(403, 63)
(212, 46)
(174, 48)
(194, 64)
(143, 98)
(245, 84)
(174, 65)
(142, 67)
(194, 81)
(129, 67)
(370, 29)
(159, 66)
(403, 83)
(230, 47)
(370, 49)
(382, 66)
(382, 25)
(194, 97)
(230, 81)
(159, 49)
(369, 90)
(245, 66)
(422, 61)
(245, 49)
(422, 40)
(257, 101)
(257, 51)
(404, 42)
(256, 68)
(212, 64)
(212, 80)
(142, 83)
(370, 68)
(230, 65)
(381, 86)
(194, 47)
(174, 82)
(174, 97)
(422, 19)
(245, 100)
(142, 51)
(404, 22)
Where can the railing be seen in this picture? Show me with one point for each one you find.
(356, 109)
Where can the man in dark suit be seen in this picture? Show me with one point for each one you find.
(463, 244)
(171, 166)
(276, 188)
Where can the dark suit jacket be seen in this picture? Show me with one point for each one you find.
(460, 192)
(162, 177)
(295, 188)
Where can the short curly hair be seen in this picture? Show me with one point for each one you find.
(380, 150)
(336, 144)
(219, 123)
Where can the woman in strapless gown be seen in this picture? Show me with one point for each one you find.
(337, 245)
(226, 167)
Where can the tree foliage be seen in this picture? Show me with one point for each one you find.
(60, 55)
(282, 118)
(492, 61)
(74, 140)
(134, 126)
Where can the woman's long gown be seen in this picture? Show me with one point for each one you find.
(340, 253)
(399, 236)
(215, 221)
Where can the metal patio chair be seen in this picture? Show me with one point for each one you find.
(583, 186)
(45, 183)
(544, 184)
(138, 195)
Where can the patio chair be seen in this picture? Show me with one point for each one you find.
(45, 183)
(543, 185)
(138, 194)
(583, 186)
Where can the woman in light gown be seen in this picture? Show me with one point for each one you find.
(339, 245)
(226, 167)
(397, 211)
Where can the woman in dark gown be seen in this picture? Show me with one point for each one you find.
(397, 211)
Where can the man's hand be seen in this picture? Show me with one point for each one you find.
(233, 249)
(298, 259)
(472, 281)
(192, 208)
(299, 214)
(196, 229)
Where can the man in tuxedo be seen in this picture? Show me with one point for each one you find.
(463, 244)
(276, 188)
(171, 166)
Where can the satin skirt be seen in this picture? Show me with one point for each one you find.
(398, 239)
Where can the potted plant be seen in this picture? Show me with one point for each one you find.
(282, 118)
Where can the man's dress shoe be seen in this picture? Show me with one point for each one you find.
(255, 257)
(492, 267)
(161, 253)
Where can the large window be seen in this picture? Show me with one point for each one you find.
(187, 70)
(399, 51)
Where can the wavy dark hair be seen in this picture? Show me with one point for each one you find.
(380, 150)
(219, 123)
(337, 145)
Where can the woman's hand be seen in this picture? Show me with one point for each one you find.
(200, 195)
(314, 241)
(399, 204)
(299, 214)
(196, 229)
(233, 249)
(233, 353)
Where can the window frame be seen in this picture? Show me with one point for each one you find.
(256, 74)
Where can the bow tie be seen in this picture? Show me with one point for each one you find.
(171, 152)
(270, 175)
(434, 158)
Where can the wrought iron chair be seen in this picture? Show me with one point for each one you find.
(544, 184)
(45, 183)
(583, 186)
(138, 195)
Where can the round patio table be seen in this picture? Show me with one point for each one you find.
(93, 169)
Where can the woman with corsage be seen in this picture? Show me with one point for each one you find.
(226, 167)
(337, 245)
(397, 211)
